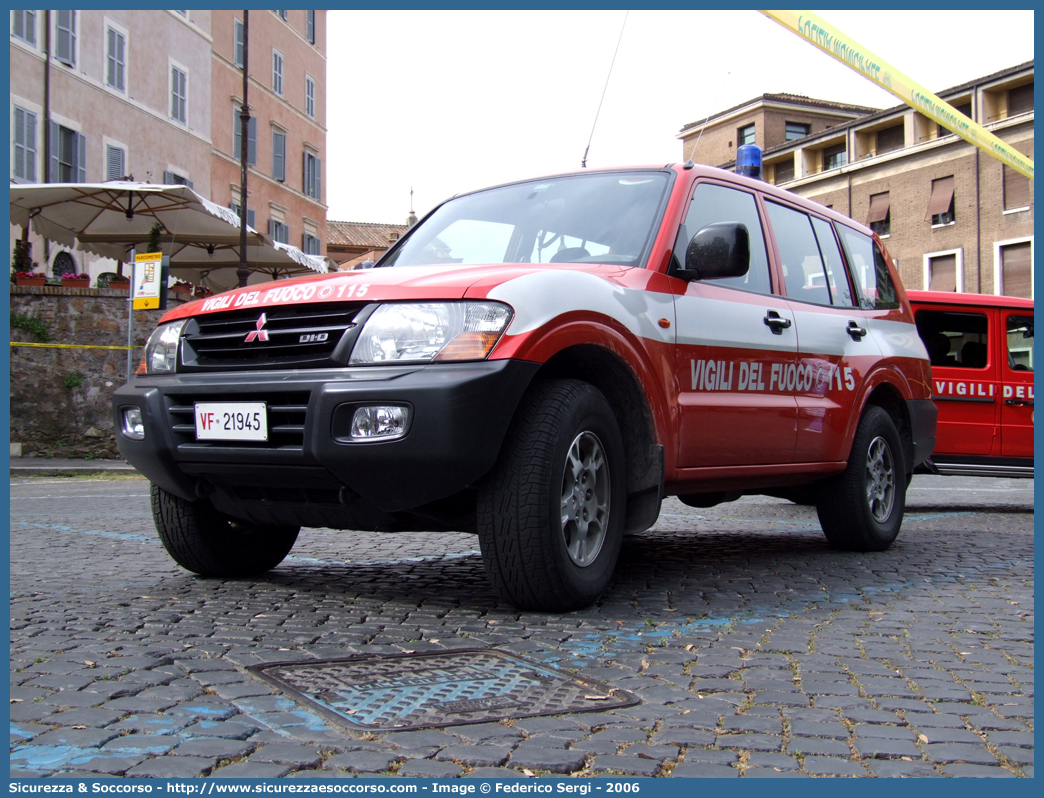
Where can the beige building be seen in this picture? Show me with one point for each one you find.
(154, 96)
(287, 136)
(953, 217)
(117, 94)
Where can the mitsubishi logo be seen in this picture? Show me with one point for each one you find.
(261, 334)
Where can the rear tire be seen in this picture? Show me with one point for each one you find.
(551, 515)
(209, 543)
(861, 509)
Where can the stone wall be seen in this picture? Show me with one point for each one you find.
(61, 394)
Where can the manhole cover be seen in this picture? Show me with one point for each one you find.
(416, 691)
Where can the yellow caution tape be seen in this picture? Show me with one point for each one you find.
(73, 346)
(831, 41)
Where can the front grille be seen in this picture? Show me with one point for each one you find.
(297, 336)
(287, 414)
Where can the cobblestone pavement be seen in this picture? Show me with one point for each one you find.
(756, 649)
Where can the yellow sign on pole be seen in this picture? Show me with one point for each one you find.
(148, 275)
(831, 41)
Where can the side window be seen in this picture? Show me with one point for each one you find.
(837, 278)
(869, 271)
(1020, 343)
(957, 340)
(712, 203)
(803, 272)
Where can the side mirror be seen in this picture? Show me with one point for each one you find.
(718, 250)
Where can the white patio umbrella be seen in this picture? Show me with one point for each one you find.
(110, 219)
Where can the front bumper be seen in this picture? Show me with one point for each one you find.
(460, 413)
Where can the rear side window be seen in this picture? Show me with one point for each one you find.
(803, 271)
(957, 340)
(1020, 343)
(712, 203)
(840, 291)
(874, 285)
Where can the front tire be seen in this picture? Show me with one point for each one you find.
(551, 515)
(209, 543)
(861, 509)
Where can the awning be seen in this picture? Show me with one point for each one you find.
(879, 204)
(942, 196)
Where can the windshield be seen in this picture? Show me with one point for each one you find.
(602, 217)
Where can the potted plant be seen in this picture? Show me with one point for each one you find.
(181, 288)
(73, 280)
(30, 278)
(119, 282)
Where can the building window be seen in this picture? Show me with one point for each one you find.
(1014, 269)
(116, 60)
(797, 130)
(312, 176)
(1020, 342)
(310, 26)
(311, 245)
(279, 155)
(239, 53)
(746, 135)
(277, 72)
(183, 13)
(785, 171)
(940, 205)
(890, 139)
(1016, 190)
(174, 179)
(115, 162)
(65, 49)
(24, 135)
(282, 14)
(834, 157)
(23, 26)
(1020, 99)
(879, 219)
(943, 271)
(234, 205)
(310, 97)
(279, 231)
(178, 95)
(237, 138)
(68, 160)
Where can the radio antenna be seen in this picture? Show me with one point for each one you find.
(690, 163)
(583, 161)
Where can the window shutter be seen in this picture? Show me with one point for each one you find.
(1016, 189)
(54, 167)
(278, 155)
(120, 62)
(1016, 267)
(168, 179)
(943, 274)
(237, 135)
(318, 179)
(66, 46)
(251, 218)
(81, 158)
(20, 138)
(114, 163)
(879, 205)
(942, 195)
(30, 146)
(19, 24)
(252, 141)
(271, 227)
(304, 172)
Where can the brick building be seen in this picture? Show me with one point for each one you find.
(351, 243)
(154, 96)
(952, 217)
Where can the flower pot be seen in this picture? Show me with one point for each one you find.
(120, 285)
(40, 281)
(83, 283)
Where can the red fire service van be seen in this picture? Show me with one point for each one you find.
(981, 351)
(541, 363)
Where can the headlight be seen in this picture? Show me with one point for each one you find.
(420, 333)
(161, 352)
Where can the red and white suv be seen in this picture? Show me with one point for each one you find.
(541, 363)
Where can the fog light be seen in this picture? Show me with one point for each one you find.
(133, 426)
(379, 422)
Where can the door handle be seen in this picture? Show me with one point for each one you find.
(1019, 402)
(856, 331)
(776, 322)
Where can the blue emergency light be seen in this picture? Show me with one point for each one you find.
(748, 161)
